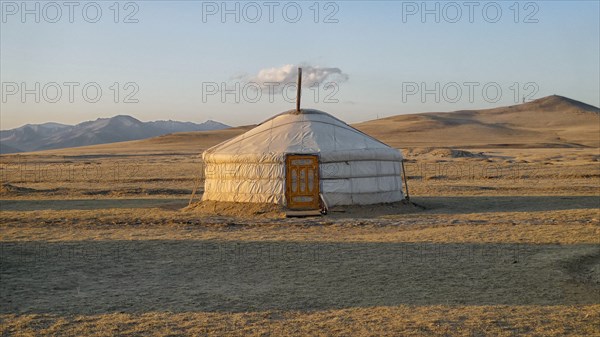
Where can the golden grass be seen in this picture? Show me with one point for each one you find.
(542, 227)
(548, 210)
(465, 321)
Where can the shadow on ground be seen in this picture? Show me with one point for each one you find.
(139, 276)
(487, 204)
(87, 204)
(442, 205)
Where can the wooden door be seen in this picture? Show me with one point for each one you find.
(302, 181)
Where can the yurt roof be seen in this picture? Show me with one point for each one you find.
(307, 131)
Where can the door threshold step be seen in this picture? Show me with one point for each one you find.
(304, 213)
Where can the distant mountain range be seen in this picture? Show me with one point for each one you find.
(37, 137)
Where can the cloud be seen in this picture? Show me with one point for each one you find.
(287, 74)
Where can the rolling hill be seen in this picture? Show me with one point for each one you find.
(552, 121)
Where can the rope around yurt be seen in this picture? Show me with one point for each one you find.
(405, 180)
(196, 184)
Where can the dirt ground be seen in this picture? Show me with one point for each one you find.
(503, 251)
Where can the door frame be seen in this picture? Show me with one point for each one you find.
(315, 203)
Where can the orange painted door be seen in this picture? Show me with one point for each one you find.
(302, 181)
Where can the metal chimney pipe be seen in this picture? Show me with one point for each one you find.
(299, 90)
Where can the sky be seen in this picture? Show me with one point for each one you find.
(229, 61)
